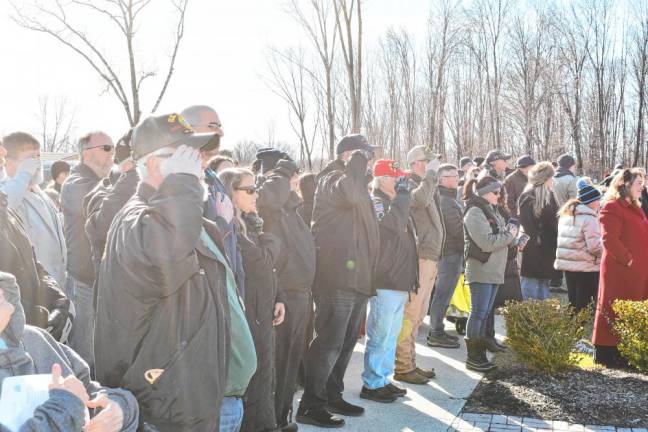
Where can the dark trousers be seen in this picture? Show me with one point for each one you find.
(337, 322)
(582, 289)
(290, 349)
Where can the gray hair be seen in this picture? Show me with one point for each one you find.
(375, 183)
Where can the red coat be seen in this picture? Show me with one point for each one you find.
(625, 238)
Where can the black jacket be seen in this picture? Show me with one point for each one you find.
(260, 253)
(101, 205)
(162, 307)
(452, 214)
(40, 295)
(277, 206)
(398, 263)
(345, 229)
(540, 252)
(81, 181)
(515, 184)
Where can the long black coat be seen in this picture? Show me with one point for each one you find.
(260, 254)
(540, 252)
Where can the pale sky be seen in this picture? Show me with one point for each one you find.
(220, 62)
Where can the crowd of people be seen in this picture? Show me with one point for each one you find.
(167, 288)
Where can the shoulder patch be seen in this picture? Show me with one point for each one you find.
(379, 208)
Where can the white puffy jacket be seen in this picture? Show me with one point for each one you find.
(579, 241)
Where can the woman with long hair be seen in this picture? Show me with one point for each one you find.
(538, 210)
(624, 266)
(579, 245)
(487, 238)
(264, 307)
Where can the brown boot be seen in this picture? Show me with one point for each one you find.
(412, 377)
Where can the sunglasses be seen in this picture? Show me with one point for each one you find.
(107, 148)
(496, 193)
(250, 190)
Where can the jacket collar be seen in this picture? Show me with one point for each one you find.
(452, 193)
(583, 209)
(382, 195)
(85, 171)
(563, 172)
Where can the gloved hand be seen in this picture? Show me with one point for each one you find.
(402, 185)
(185, 160)
(59, 324)
(287, 168)
(433, 165)
(224, 207)
(29, 165)
(254, 222)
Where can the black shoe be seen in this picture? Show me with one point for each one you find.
(290, 427)
(428, 373)
(476, 359)
(345, 408)
(381, 394)
(491, 345)
(449, 336)
(319, 417)
(442, 342)
(400, 392)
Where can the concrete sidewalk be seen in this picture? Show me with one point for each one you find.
(425, 408)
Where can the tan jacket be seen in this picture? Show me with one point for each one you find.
(579, 242)
(426, 212)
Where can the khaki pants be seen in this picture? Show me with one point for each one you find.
(415, 310)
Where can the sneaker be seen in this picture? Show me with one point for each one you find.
(345, 408)
(319, 417)
(400, 392)
(412, 377)
(381, 394)
(428, 373)
(442, 342)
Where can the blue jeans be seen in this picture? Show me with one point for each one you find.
(482, 299)
(81, 337)
(383, 326)
(533, 288)
(448, 272)
(231, 414)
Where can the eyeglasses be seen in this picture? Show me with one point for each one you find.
(496, 193)
(451, 176)
(107, 148)
(250, 190)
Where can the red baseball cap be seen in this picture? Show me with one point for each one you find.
(388, 168)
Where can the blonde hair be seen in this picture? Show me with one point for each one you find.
(620, 186)
(232, 179)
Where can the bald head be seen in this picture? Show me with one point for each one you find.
(203, 119)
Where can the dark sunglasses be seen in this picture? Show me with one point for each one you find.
(250, 190)
(496, 193)
(107, 148)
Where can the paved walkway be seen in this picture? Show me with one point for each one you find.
(425, 408)
(499, 423)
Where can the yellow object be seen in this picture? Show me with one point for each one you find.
(460, 301)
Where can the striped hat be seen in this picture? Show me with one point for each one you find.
(587, 193)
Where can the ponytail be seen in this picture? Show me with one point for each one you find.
(468, 190)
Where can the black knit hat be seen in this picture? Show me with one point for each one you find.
(566, 161)
(524, 161)
(587, 193)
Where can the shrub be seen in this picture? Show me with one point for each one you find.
(542, 334)
(631, 326)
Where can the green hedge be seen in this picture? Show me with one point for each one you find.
(542, 334)
(631, 326)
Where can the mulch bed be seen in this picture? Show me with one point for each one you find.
(593, 397)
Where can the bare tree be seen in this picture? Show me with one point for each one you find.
(640, 75)
(56, 125)
(351, 46)
(289, 79)
(318, 20)
(56, 19)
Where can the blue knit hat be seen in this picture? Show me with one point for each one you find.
(587, 193)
